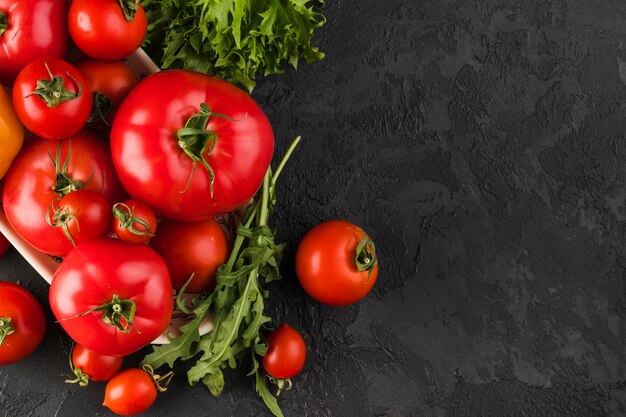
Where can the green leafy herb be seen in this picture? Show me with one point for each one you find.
(236, 305)
(232, 39)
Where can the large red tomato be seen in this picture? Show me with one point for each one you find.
(30, 29)
(46, 170)
(111, 296)
(52, 98)
(22, 323)
(190, 145)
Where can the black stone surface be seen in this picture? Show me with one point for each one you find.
(481, 143)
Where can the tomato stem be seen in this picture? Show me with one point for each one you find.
(100, 109)
(160, 381)
(82, 378)
(129, 8)
(53, 91)
(61, 218)
(6, 328)
(196, 141)
(126, 216)
(3, 23)
(365, 256)
(64, 183)
(282, 384)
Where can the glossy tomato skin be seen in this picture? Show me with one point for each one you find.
(325, 264)
(92, 275)
(28, 321)
(28, 193)
(36, 29)
(11, 132)
(100, 30)
(112, 79)
(130, 392)
(85, 215)
(192, 247)
(155, 169)
(62, 120)
(286, 353)
(96, 367)
(130, 220)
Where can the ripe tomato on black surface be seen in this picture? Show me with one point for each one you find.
(107, 29)
(82, 215)
(111, 296)
(286, 353)
(336, 263)
(88, 365)
(192, 247)
(134, 221)
(110, 81)
(22, 323)
(134, 390)
(30, 29)
(46, 170)
(52, 98)
(191, 146)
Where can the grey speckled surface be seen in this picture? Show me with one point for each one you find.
(482, 144)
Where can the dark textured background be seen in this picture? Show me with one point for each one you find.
(481, 143)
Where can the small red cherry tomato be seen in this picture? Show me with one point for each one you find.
(192, 247)
(22, 323)
(52, 98)
(82, 215)
(336, 263)
(286, 353)
(107, 29)
(134, 390)
(88, 365)
(134, 221)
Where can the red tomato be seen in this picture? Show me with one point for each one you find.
(192, 247)
(134, 221)
(130, 392)
(88, 365)
(30, 29)
(33, 182)
(111, 81)
(103, 30)
(82, 215)
(111, 296)
(336, 263)
(4, 244)
(161, 140)
(22, 323)
(52, 98)
(286, 353)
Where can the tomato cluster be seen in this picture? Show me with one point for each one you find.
(123, 179)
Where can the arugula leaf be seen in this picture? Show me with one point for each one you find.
(236, 305)
(233, 39)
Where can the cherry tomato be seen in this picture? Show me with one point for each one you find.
(45, 170)
(82, 215)
(190, 146)
(88, 365)
(111, 296)
(134, 221)
(130, 392)
(107, 29)
(192, 247)
(33, 29)
(286, 353)
(110, 82)
(4, 244)
(336, 263)
(52, 98)
(22, 323)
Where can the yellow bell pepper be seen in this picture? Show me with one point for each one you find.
(11, 132)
